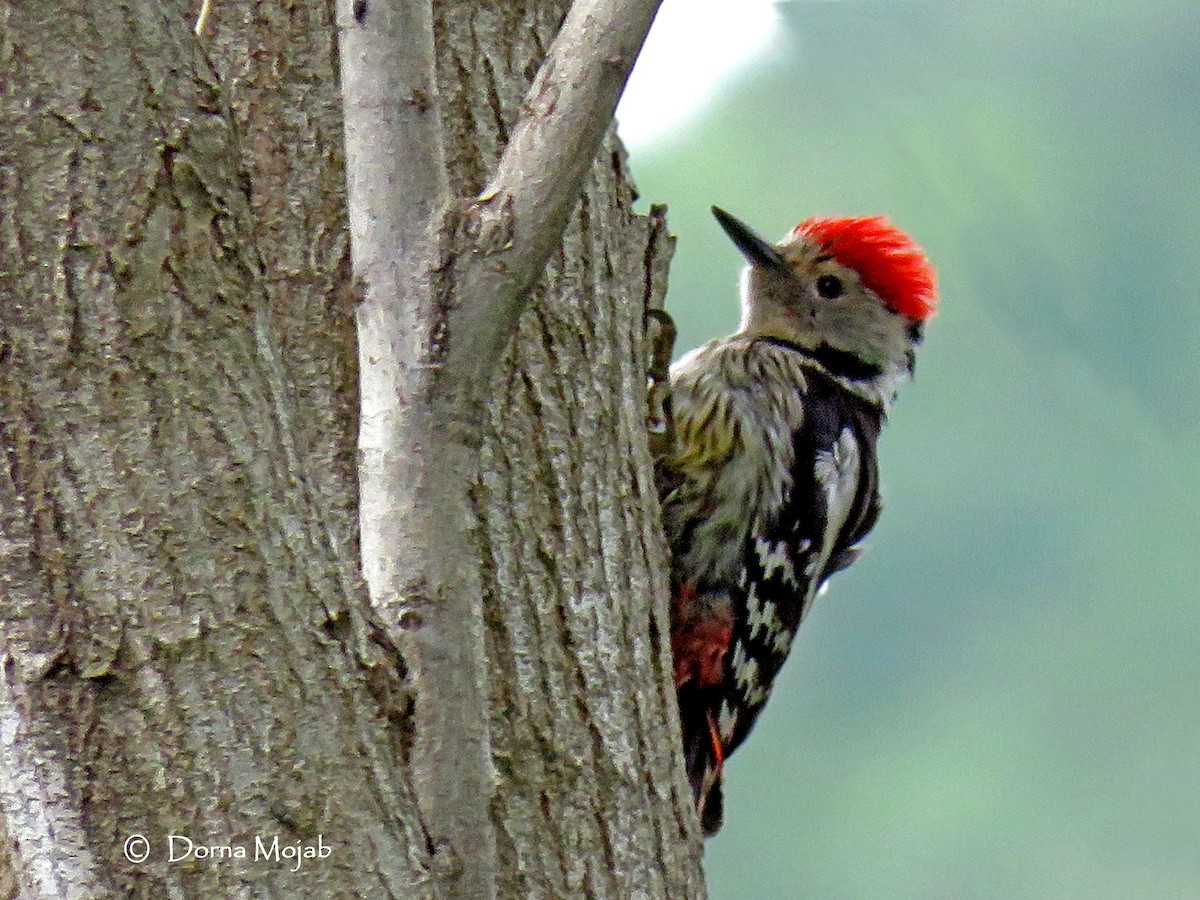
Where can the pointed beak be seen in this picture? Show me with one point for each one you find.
(757, 251)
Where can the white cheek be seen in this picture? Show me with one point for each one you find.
(744, 288)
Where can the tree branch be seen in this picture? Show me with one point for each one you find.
(429, 344)
(396, 180)
(512, 227)
(417, 556)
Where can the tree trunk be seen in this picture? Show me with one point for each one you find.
(189, 648)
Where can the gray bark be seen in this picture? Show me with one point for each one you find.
(188, 646)
(187, 649)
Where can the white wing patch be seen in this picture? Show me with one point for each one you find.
(836, 471)
(745, 668)
(727, 720)
(783, 641)
(774, 558)
(761, 614)
(745, 674)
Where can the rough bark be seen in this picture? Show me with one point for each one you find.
(188, 648)
(580, 679)
(278, 68)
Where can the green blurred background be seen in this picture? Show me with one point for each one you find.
(1002, 699)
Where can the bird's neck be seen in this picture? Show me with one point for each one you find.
(877, 385)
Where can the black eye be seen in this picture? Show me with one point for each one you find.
(829, 286)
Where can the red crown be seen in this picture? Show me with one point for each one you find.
(889, 262)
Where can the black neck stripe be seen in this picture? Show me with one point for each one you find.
(841, 362)
(836, 362)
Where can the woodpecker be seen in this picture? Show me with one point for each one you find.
(770, 482)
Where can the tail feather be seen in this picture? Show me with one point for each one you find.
(703, 764)
(712, 812)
